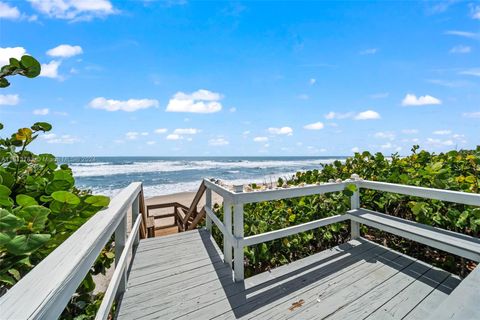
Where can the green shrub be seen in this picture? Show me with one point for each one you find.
(39, 209)
(454, 170)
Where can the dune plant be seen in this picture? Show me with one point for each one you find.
(454, 170)
(40, 207)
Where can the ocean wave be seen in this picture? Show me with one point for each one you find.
(171, 188)
(108, 169)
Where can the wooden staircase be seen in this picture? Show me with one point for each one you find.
(185, 218)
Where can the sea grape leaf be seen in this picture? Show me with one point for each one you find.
(4, 191)
(65, 197)
(25, 201)
(35, 217)
(98, 201)
(26, 244)
(8, 221)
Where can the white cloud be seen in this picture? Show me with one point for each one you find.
(218, 142)
(471, 114)
(385, 135)
(471, 72)
(41, 112)
(50, 70)
(461, 49)
(387, 145)
(9, 99)
(174, 136)
(410, 131)
(367, 115)
(160, 130)
(232, 109)
(438, 142)
(65, 51)
(133, 135)
(260, 139)
(412, 100)
(200, 101)
(314, 126)
(10, 52)
(281, 131)
(186, 131)
(150, 143)
(312, 81)
(63, 139)
(130, 105)
(355, 149)
(476, 12)
(303, 96)
(380, 95)
(465, 34)
(7, 12)
(335, 115)
(369, 51)
(442, 132)
(76, 10)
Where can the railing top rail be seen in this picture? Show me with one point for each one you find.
(472, 199)
(275, 194)
(44, 292)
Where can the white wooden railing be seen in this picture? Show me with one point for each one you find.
(237, 199)
(45, 291)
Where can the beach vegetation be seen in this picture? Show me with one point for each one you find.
(453, 170)
(40, 207)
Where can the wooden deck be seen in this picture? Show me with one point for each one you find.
(184, 276)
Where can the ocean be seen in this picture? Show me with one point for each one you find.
(166, 175)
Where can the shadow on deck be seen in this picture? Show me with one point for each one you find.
(184, 276)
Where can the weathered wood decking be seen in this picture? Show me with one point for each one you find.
(184, 276)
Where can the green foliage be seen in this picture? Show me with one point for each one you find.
(27, 66)
(41, 208)
(454, 170)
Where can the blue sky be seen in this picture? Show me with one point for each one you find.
(175, 78)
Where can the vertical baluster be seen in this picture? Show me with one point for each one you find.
(120, 240)
(135, 216)
(238, 251)
(355, 204)
(227, 221)
(208, 204)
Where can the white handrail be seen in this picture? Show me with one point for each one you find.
(238, 199)
(45, 291)
(472, 199)
(120, 267)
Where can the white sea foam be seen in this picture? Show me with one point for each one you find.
(171, 188)
(106, 169)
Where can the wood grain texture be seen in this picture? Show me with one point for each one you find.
(186, 278)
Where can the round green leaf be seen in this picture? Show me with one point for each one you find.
(65, 197)
(4, 191)
(35, 217)
(4, 83)
(26, 244)
(98, 201)
(9, 221)
(42, 126)
(25, 201)
(31, 66)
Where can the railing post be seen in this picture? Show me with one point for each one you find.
(355, 204)
(120, 240)
(227, 221)
(208, 204)
(238, 233)
(135, 215)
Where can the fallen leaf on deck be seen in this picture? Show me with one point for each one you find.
(296, 305)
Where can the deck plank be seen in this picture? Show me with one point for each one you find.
(400, 305)
(183, 276)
